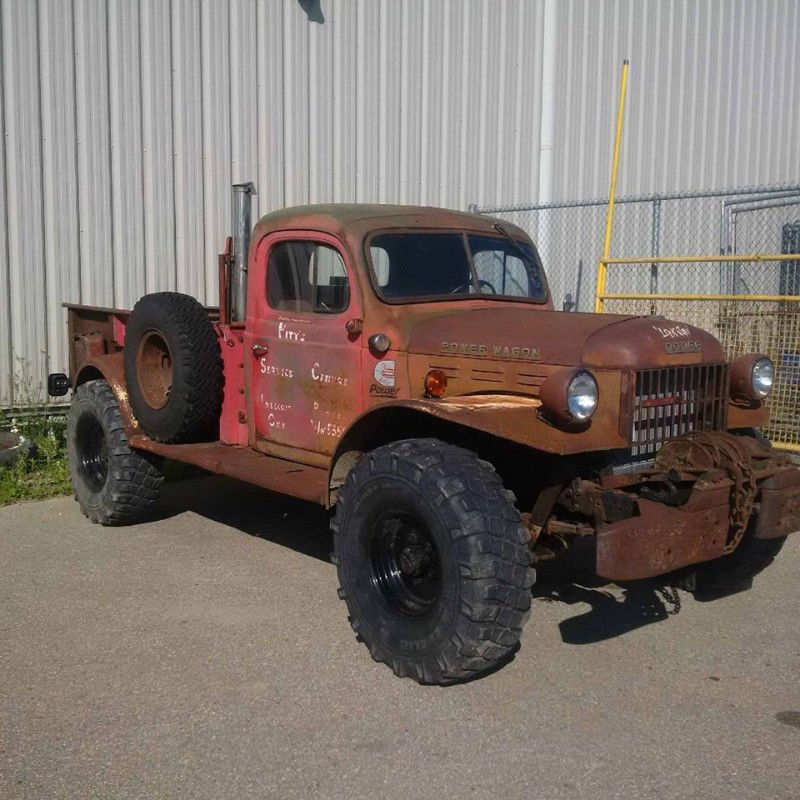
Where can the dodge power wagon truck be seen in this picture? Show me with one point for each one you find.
(405, 367)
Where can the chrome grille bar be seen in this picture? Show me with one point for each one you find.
(673, 401)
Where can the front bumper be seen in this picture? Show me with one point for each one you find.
(662, 538)
(779, 514)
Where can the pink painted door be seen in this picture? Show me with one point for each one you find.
(305, 366)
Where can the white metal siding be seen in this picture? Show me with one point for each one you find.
(126, 121)
(712, 98)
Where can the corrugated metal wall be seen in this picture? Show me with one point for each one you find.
(712, 99)
(126, 121)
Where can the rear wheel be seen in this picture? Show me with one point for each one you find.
(433, 561)
(113, 484)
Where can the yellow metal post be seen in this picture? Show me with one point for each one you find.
(601, 267)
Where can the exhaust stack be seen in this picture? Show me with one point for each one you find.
(242, 201)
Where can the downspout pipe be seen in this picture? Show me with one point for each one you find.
(547, 124)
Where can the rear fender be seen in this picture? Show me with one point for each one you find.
(110, 368)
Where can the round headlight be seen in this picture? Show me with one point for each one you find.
(751, 378)
(582, 397)
(763, 376)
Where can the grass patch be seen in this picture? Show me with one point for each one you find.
(43, 471)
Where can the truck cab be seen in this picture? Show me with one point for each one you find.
(405, 367)
(343, 301)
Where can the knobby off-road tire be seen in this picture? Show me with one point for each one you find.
(113, 484)
(737, 570)
(173, 368)
(433, 561)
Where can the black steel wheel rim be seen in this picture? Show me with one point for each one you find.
(92, 452)
(405, 568)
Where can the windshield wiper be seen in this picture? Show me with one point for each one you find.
(520, 249)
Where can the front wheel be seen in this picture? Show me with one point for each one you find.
(433, 561)
(114, 484)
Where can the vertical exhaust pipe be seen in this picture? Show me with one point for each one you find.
(242, 202)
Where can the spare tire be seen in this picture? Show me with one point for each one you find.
(173, 368)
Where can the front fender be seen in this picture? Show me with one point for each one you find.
(510, 417)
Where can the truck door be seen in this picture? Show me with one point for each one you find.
(304, 365)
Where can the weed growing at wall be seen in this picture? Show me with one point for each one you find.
(38, 468)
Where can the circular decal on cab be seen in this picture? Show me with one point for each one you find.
(384, 373)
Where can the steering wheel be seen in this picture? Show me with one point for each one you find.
(467, 284)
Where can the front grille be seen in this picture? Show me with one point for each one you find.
(676, 400)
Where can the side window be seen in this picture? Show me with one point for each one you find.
(307, 277)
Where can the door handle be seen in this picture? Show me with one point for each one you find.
(260, 350)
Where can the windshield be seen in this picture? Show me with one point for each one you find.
(424, 266)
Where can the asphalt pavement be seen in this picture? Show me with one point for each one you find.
(205, 654)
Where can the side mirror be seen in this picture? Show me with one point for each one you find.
(568, 303)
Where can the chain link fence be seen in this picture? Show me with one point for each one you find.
(721, 260)
(569, 235)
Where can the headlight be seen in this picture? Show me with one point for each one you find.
(762, 377)
(751, 378)
(582, 397)
(569, 396)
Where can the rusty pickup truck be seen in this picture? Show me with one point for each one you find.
(405, 367)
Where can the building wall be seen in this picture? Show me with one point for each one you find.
(125, 123)
(712, 99)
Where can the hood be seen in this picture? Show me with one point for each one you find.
(605, 341)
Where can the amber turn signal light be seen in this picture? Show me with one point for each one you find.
(435, 383)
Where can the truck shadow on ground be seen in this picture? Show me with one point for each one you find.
(304, 527)
(614, 610)
(284, 520)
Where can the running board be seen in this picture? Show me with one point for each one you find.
(245, 464)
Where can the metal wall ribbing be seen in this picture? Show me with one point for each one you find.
(125, 122)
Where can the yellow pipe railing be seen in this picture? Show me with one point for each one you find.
(790, 446)
(601, 296)
(700, 259)
(754, 298)
(601, 269)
